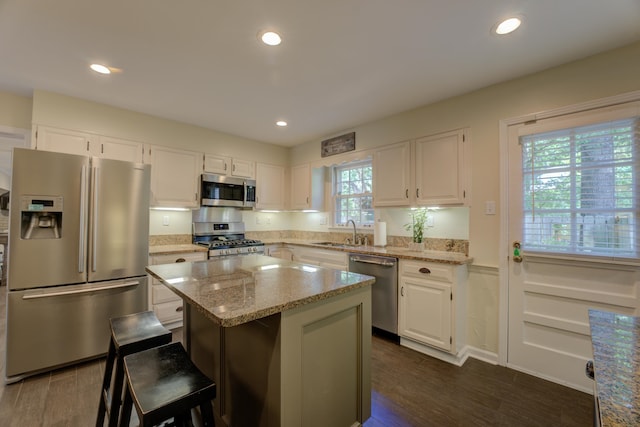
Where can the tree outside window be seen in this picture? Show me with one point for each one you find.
(353, 193)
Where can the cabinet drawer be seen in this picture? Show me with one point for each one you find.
(168, 311)
(160, 293)
(171, 258)
(426, 270)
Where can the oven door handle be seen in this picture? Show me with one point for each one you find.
(80, 291)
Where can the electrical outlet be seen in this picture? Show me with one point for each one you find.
(429, 221)
(323, 220)
(258, 220)
(268, 220)
(165, 220)
(490, 207)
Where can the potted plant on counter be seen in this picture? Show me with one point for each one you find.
(416, 226)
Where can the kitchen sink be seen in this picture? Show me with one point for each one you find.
(333, 244)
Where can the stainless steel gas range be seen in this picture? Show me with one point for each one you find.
(222, 231)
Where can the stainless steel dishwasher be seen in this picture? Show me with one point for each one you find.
(384, 292)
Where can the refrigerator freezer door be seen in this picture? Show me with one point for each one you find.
(50, 251)
(119, 220)
(81, 328)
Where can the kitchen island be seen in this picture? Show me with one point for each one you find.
(288, 344)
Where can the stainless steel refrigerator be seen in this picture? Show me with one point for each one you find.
(79, 239)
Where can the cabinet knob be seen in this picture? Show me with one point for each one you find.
(424, 270)
(180, 260)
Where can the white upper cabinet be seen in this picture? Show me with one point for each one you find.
(220, 165)
(307, 188)
(429, 171)
(242, 168)
(270, 183)
(440, 169)
(86, 144)
(392, 175)
(120, 149)
(175, 175)
(223, 165)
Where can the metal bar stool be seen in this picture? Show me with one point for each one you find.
(129, 334)
(164, 383)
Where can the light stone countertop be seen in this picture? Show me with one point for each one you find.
(616, 359)
(240, 289)
(175, 249)
(455, 258)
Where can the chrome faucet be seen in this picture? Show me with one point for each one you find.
(353, 241)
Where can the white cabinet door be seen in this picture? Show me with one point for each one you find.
(425, 311)
(300, 187)
(223, 165)
(64, 140)
(120, 149)
(322, 257)
(271, 186)
(217, 164)
(164, 302)
(242, 168)
(392, 175)
(440, 169)
(174, 177)
(86, 144)
(307, 188)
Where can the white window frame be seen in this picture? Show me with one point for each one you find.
(571, 121)
(336, 196)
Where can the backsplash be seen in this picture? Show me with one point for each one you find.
(169, 239)
(432, 244)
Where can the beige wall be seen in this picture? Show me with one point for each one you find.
(15, 111)
(72, 113)
(607, 74)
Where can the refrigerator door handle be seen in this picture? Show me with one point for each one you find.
(94, 227)
(80, 291)
(82, 257)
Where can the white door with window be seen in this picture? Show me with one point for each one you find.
(573, 211)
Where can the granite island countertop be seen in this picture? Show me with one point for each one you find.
(443, 257)
(616, 359)
(237, 290)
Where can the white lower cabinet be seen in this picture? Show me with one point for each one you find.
(432, 304)
(279, 251)
(322, 257)
(166, 304)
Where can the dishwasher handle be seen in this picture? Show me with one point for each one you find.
(372, 261)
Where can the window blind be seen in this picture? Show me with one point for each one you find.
(580, 189)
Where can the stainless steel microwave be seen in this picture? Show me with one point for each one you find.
(222, 190)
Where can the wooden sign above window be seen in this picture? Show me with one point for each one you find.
(339, 144)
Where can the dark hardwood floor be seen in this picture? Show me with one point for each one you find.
(409, 389)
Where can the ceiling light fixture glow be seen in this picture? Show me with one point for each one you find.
(508, 25)
(99, 68)
(271, 38)
(281, 123)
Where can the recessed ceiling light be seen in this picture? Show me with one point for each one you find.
(508, 25)
(99, 68)
(281, 123)
(271, 38)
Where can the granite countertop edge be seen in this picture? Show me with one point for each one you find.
(234, 319)
(454, 258)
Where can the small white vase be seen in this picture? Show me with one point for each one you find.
(418, 247)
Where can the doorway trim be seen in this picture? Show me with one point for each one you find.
(503, 252)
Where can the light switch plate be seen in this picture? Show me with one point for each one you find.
(165, 220)
(490, 207)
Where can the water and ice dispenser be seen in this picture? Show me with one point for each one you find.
(41, 217)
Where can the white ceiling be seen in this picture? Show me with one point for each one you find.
(342, 62)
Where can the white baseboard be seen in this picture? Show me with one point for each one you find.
(455, 359)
